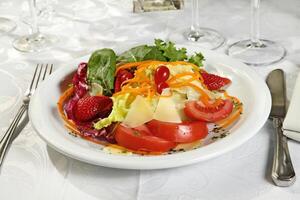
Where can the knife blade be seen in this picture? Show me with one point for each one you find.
(283, 173)
(276, 84)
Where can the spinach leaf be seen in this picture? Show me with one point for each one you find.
(197, 59)
(170, 52)
(140, 53)
(134, 54)
(101, 69)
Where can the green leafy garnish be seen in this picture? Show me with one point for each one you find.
(162, 51)
(197, 59)
(155, 54)
(101, 69)
(169, 50)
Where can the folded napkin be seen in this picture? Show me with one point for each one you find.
(291, 124)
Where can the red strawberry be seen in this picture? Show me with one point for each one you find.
(91, 107)
(214, 82)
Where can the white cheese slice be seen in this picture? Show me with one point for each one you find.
(166, 109)
(139, 113)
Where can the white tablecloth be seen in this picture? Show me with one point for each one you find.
(34, 171)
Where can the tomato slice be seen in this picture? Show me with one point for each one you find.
(140, 139)
(184, 132)
(194, 110)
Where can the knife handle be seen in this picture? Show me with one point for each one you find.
(283, 173)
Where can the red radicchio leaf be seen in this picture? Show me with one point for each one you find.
(69, 107)
(105, 134)
(80, 81)
(80, 90)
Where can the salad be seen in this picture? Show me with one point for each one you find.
(149, 99)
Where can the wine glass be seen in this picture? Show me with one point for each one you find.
(46, 14)
(203, 37)
(256, 51)
(36, 41)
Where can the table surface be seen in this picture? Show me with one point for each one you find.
(32, 170)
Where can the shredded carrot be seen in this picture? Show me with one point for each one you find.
(132, 90)
(130, 65)
(202, 81)
(232, 118)
(68, 123)
(177, 76)
(183, 82)
(231, 97)
(62, 99)
(151, 64)
(135, 80)
(146, 63)
(151, 93)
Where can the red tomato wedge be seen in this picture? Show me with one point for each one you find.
(184, 132)
(140, 139)
(194, 110)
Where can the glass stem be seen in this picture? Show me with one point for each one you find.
(195, 15)
(33, 9)
(254, 37)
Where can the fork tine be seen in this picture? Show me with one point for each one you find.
(45, 72)
(39, 76)
(33, 78)
(51, 68)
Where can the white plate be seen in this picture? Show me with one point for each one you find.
(247, 85)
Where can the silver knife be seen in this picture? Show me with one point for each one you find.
(283, 173)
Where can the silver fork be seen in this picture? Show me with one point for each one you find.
(40, 73)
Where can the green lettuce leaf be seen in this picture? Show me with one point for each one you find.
(121, 105)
